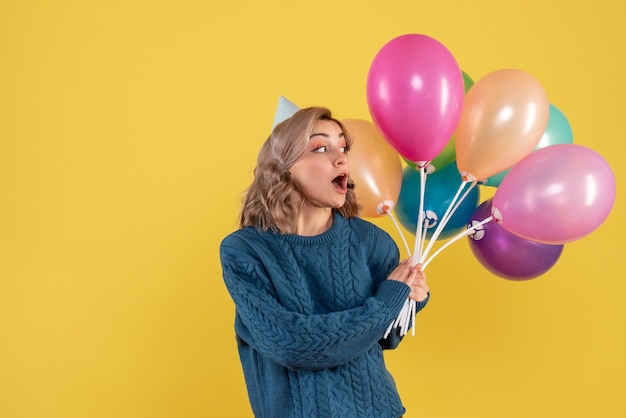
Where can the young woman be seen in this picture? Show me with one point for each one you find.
(314, 286)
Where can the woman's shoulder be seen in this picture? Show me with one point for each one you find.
(244, 239)
(246, 232)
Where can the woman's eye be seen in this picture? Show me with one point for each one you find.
(320, 149)
(345, 149)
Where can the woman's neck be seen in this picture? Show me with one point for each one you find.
(314, 221)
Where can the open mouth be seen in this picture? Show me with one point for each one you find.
(341, 182)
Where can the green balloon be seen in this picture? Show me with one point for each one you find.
(446, 156)
(467, 81)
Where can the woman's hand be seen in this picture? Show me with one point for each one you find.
(412, 276)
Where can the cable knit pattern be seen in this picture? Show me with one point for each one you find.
(310, 314)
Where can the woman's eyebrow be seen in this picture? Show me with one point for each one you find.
(319, 134)
(341, 135)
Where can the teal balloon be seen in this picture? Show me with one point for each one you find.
(441, 186)
(558, 131)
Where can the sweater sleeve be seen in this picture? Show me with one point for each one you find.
(295, 340)
(384, 267)
(394, 338)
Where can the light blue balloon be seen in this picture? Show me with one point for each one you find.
(558, 131)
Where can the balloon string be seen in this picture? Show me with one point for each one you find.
(399, 319)
(413, 313)
(420, 217)
(403, 319)
(407, 318)
(457, 237)
(469, 189)
(424, 232)
(408, 311)
(442, 223)
(406, 245)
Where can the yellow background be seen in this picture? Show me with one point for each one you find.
(129, 129)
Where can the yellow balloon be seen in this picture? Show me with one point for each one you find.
(375, 168)
(504, 116)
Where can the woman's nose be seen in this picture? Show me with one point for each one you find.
(341, 158)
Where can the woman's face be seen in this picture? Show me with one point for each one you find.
(321, 173)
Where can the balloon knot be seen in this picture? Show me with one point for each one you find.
(496, 214)
(467, 177)
(385, 207)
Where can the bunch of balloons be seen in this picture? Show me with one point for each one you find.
(453, 134)
(500, 131)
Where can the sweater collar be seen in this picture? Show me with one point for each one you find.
(328, 236)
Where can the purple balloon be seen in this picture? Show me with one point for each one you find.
(507, 255)
(415, 94)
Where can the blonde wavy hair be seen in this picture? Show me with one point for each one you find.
(272, 202)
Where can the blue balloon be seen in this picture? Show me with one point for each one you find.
(441, 186)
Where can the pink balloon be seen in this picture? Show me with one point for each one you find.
(415, 94)
(556, 194)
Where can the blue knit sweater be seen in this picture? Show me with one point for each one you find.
(310, 314)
